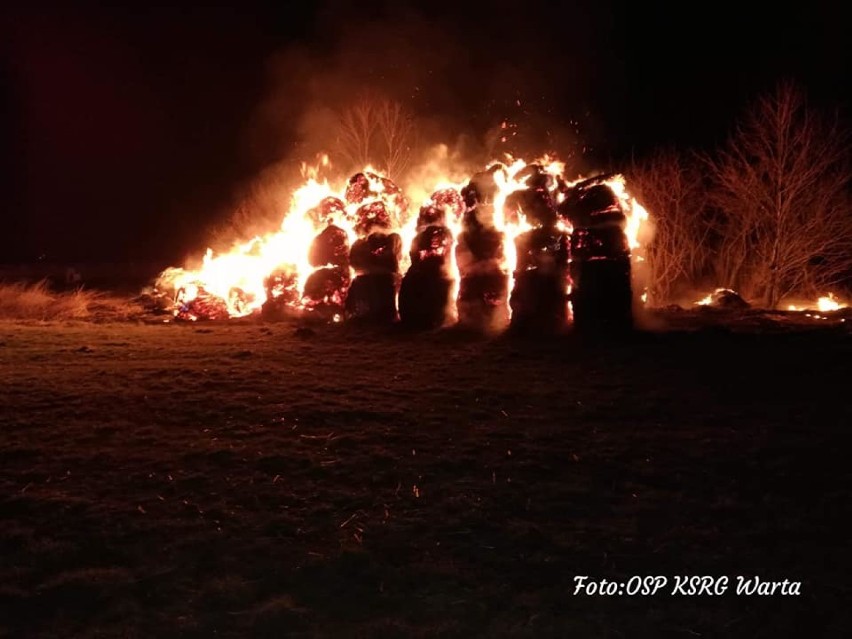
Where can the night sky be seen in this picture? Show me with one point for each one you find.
(126, 132)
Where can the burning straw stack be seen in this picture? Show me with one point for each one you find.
(507, 247)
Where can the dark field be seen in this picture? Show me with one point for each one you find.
(249, 479)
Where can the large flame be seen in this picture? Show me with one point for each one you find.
(235, 280)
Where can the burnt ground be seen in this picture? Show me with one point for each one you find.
(248, 479)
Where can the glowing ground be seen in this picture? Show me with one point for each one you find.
(248, 479)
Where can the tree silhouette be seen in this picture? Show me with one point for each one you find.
(781, 188)
(376, 131)
(672, 188)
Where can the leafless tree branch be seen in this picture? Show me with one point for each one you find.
(379, 132)
(671, 187)
(781, 186)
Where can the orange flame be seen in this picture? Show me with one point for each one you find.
(237, 277)
(824, 304)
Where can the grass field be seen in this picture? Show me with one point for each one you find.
(248, 479)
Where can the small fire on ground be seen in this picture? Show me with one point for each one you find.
(826, 304)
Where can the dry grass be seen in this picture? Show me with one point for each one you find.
(37, 302)
(24, 301)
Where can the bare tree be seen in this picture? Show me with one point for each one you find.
(672, 188)
(356, 127)
(781, 185)
(376, 131)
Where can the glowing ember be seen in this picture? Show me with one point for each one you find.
(290, 270)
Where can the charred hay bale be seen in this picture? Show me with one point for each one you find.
(483, 283)
(431, 215)
(539, 301)
(371, 217)
(424, 295)
(367, 186)
(358, 189)
(283, 284)
(450, 201)
(424, 299)
(430, 250)
(282, 295)
(599, 243)
(372, 298)
(538, 298)
(204, 306)
(395, 199)
(601, 295)
(240, 301)
(535, 204)
(535, 177)
(592, 206)
(478, 216)
(478, 243)
(330, 247)
(372, 295)
(482, 298)
(327, 211)
(376, 253)
(544, 249)
(325, 291)
(601, 288)
(482, 187)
